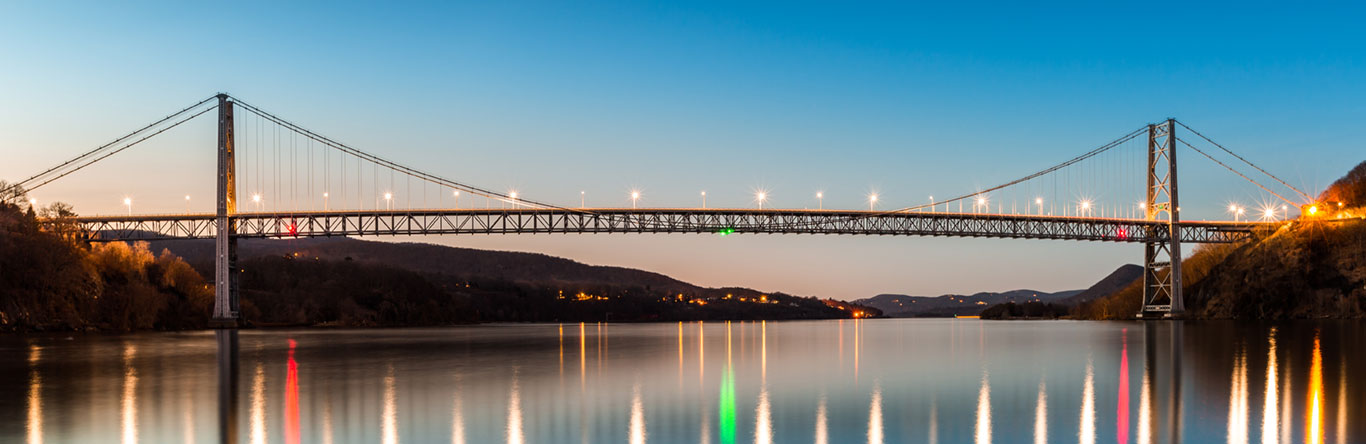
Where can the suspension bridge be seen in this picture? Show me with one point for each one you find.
(320, 187)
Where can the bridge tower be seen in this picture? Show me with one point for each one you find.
(225, 309)
(1162, 250)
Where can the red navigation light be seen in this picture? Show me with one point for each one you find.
(1121, 233)
(293, 229)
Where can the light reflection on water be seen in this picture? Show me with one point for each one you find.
(902, 381)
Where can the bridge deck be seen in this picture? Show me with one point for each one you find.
(657, 220)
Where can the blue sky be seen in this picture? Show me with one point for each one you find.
(555, 98)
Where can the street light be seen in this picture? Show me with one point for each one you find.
(820, 200)
(389, 201)
(872, 201)
(1039, 201)
(1086, 207)
(946, 206)
(325, 195)
(761, 196)
(254, 198)
(187, 204)
(127, 201)
(981, 202)
(583, 197)
(635, 197)
(704, 199)
(456, 193)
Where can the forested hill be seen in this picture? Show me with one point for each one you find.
(303, 281)
(506, 266)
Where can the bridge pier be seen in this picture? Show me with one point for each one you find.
(1162, 296)
(225, 304)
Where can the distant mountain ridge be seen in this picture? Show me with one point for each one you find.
(900, 305)
(1122, 277)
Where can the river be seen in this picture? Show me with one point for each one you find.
(871, 381)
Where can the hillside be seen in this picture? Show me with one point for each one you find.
(457, 262)
(1312, 267)
(900, 305)
(48, 281)
(342, 281)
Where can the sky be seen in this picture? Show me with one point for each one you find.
(550, 99)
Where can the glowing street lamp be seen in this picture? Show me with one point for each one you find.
(389, 201)
(456, 193)
(820, 200)
(872, 201)
(325, 195)
(187, 204)
(932, 205)
(635, 197)
(255, 198)
(1086, 207)
(583, 197)
(981, 203)
(1039, 201)
(761, 196)
(704, 199)
(127, 201)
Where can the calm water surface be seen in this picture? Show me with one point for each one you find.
(875, 381)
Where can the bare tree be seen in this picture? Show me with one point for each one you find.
(12, 193)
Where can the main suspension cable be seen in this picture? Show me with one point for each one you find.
(1231, 153)
(1037, 174)
(78, 159)
(394, 166)
(1264, 188)
(130, 145)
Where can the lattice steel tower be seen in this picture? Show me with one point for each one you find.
(225, 308)
(1162, 249)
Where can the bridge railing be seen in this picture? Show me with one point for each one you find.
(704, 221)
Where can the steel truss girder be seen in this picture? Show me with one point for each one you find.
(564, 221)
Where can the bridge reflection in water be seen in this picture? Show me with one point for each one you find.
(917, 381)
